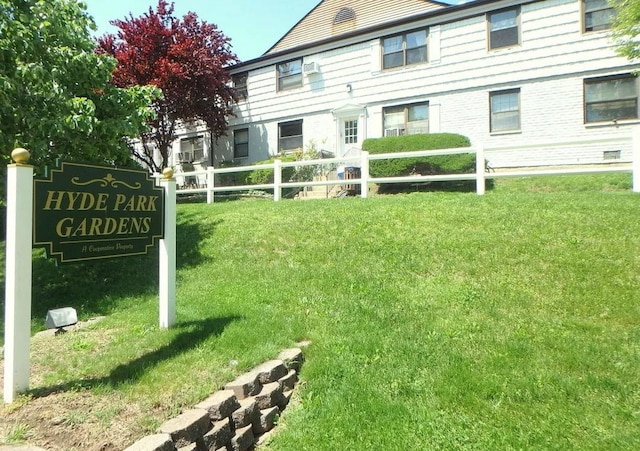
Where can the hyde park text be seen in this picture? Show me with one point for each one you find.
(101, 202)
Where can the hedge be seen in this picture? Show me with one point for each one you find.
(440, 164)
(230, 178)
(265, 176)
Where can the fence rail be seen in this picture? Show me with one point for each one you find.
(362, 161)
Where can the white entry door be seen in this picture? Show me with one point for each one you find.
(349, 134)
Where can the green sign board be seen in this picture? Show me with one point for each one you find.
(86, 212)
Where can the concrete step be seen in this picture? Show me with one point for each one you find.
(319, 192)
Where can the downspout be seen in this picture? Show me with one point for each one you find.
(211, 142)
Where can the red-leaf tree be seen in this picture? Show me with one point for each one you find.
(186, 58)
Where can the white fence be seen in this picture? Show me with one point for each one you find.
(205, 177)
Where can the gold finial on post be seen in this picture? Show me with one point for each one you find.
(20, 155)
(167, 172)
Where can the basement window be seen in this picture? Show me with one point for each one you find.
(611, 155)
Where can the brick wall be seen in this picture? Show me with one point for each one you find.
(234, 418)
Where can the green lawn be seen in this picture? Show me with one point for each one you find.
(437, 320)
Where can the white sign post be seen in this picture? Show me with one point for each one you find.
(18, 273)
(167, 307)
(17, 325)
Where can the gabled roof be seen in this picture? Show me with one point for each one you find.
(438, 12)
(332, 18)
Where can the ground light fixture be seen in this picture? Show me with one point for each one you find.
(60, 318)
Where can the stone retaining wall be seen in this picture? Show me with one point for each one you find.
(235, 418)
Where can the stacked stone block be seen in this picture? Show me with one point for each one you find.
(235, 418)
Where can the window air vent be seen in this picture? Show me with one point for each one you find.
(394, 132)
(344, 15)
(311, 68)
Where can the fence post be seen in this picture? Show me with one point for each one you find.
(167, 276)
(364, 174)
(17, 318)
(635, 143)
(480, 168)
(210, 184)
(277, 179)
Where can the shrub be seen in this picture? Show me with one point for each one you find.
(440, 164)
(231, 178)
(289, 174)
(265, 176)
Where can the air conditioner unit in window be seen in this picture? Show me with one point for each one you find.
(394, 132)
(311, 68)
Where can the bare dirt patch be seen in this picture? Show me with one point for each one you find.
(70, 421)
(70, 418)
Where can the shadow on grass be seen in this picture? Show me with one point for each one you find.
(190, 335)
(457, 186)
(99, 287)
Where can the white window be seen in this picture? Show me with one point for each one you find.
(192, 149)
(241, 143)
(611, 98)
(289, 75)
(240, 85)
(351, 131)
(505, 110)
(598, 15)
(289, 136)
(404, 49)
(504, 28)
(406, 119)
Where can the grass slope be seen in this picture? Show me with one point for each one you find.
(438, 320)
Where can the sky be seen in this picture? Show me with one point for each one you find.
(254, 26)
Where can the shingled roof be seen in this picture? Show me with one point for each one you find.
(332, 18)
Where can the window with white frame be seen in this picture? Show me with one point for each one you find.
(504, 28)
(192, 149)
(406, 119)
(505, 110)
(289, 136)
(404, 49)
(241, 143)
(598, 15)
(611, 98)
(351, 131)
(240, 85)
(289, 74)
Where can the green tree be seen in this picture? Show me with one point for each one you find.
(56, 98)
(626, 27)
